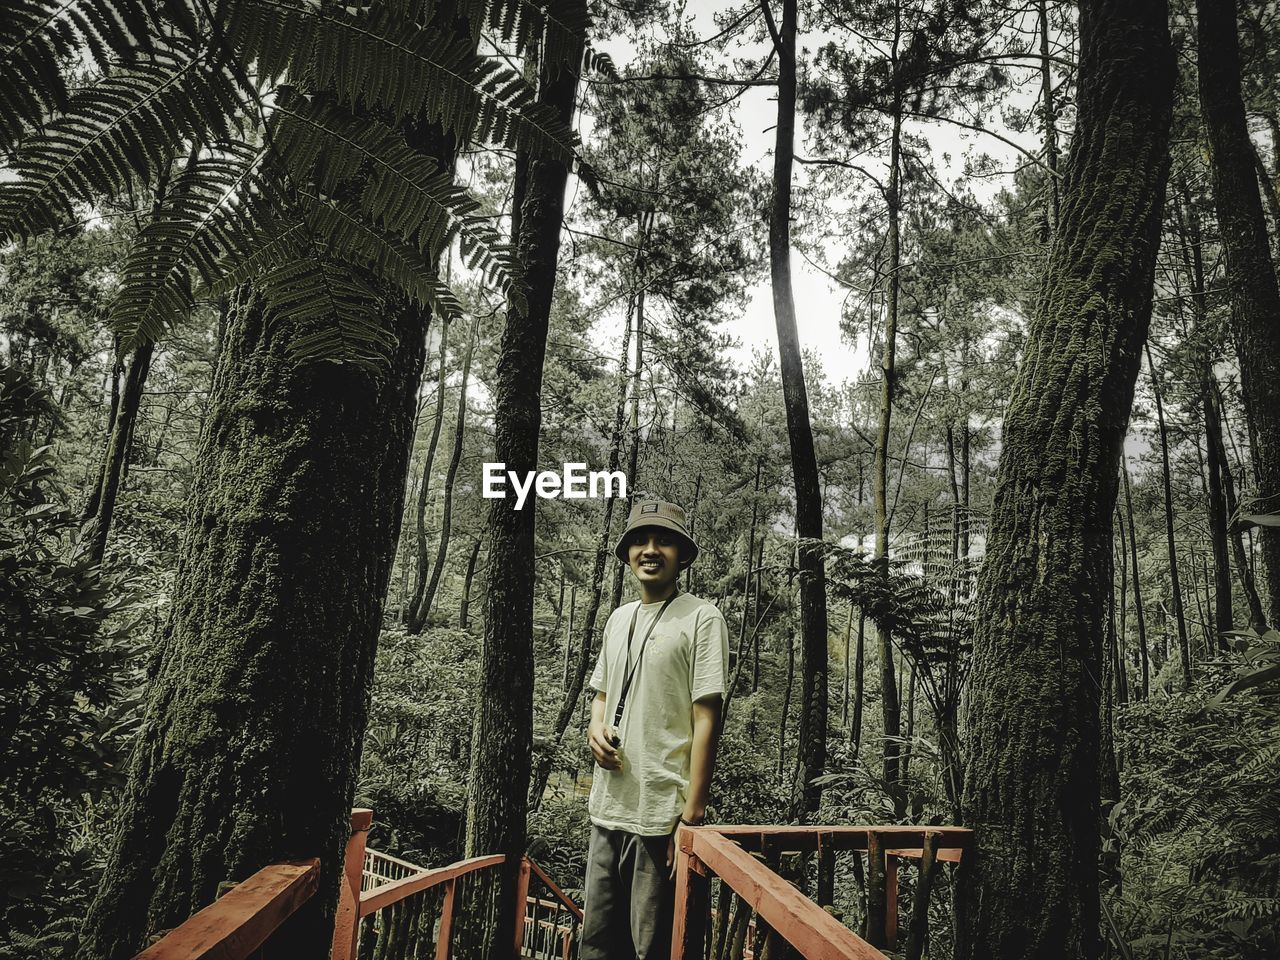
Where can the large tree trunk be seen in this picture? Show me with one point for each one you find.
(1030, 889)
(1251, 275)
(251, 739)
(812, 741)
(502, 737)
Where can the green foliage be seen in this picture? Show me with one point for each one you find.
(69, 693)
(1198, 823)
(257, 125)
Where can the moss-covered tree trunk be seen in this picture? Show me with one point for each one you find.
(502, 737)
(1032, 786)
(251, 742)
(1251, 275)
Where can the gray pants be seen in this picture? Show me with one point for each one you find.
(630, 897)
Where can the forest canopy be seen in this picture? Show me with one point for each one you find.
(954, 327)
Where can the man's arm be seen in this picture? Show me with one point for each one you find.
(702, 762)
(598, 734)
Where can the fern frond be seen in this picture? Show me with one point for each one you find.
(378, 60)
(37, 37)
(131, 123)
(335, 310)
(351, 237)
(404, 190)
(202, 220)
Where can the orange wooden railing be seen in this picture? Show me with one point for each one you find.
(240, 921)
(383, 894)
(729, 852)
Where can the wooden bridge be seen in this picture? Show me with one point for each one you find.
(391, 909)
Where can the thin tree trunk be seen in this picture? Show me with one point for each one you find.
(1049, 117)
(464, 609)
(1193, 263)
(250, 743)
(502, 735)
(1140, 616)
(113, 466)
(1251, 275)
(416, 616)
(1175, 583)
(812, 736)
(1031, 779)
(859, 682)
(1257, 619)
(455, 457)
(586, 647)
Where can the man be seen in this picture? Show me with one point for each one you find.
(655, 720)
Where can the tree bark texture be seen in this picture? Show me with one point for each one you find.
(1251, 275)
(812, 737)
(251, 739)
(502, 737)
(1031, 785)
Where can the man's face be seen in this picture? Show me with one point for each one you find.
(654, 556)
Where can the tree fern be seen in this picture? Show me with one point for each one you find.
(204, 220)
(127, 124)
(296, 177)
(37, 37)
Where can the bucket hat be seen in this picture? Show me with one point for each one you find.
(659, 513)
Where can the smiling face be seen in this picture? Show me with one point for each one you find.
(654, 556)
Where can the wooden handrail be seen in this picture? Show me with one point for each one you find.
(813, 932)
(239, 922)
(791, 838)
(372, 901)
(555, 890)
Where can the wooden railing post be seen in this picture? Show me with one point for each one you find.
(877, 900)
(346, 927)
(890, 901)
(918, 935)
(688, 928)
(446, 920)
(522, 897)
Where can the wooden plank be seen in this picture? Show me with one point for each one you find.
(346, 925)
(446, 920)
(559, 894)
(814, 933)
(950, 855)
(374, 900)
(239, 922)
(688, 927)
(791, 838)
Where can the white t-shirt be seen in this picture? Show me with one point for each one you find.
(686, 659)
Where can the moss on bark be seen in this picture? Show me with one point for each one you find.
(260, 687)
(1032, 786)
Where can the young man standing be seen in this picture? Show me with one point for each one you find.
(655, 720)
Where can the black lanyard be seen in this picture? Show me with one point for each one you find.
(631, 672)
